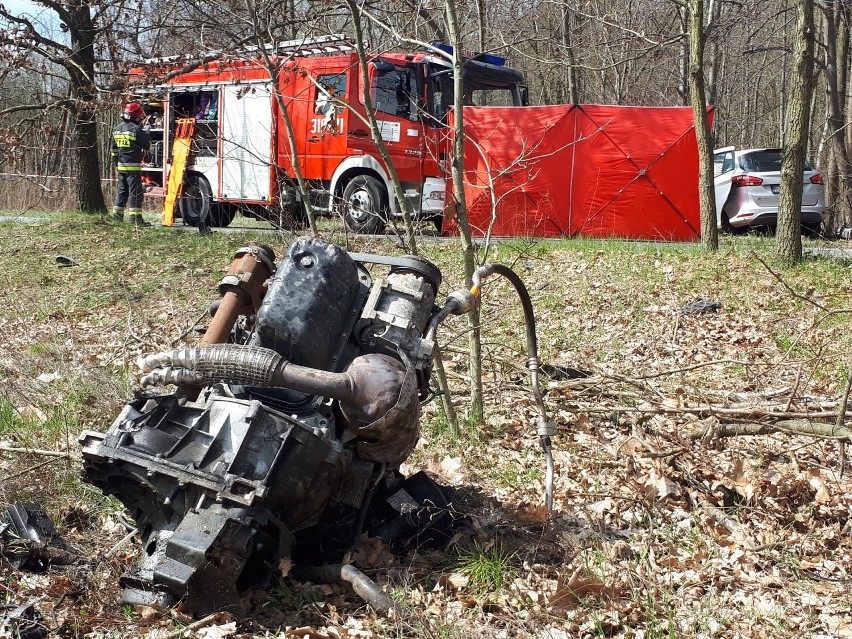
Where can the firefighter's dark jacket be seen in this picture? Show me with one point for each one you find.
(129, 140)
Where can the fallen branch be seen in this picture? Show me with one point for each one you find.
(705, 410)
(795, 426)
(805, 298)
(28, 470)
(43, 453)
(841, 416)
(217, 618)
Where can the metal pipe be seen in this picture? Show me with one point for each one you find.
(242, 291)
(368, 389)
(363, 586)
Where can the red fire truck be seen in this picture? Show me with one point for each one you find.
(239, 153)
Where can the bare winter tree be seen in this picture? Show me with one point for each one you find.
(697, 36)
(372, 122)
(262, 34)
(836, 23)
(477, 402)
(789, 236)
(78, 59)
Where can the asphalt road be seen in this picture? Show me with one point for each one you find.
(21, 219)
(842, 252)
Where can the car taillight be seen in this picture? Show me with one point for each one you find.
(816, 179)
(746, 180)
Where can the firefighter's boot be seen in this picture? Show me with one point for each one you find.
(137, 221)
(118, 215)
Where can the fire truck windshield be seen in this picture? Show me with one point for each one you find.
(484, 85)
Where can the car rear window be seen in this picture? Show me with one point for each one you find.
(764, 161)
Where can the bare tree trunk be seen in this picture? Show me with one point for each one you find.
(399, 194)
(81, 69)
(90, 195)
(683, 57)
(570, 60)
(482, 26)
(273, 70)
(789, 235)
(839, 175)
(706, 193)
(444, 388)
(782, 101)
(468, 247)
(714, 15)
(425, 12)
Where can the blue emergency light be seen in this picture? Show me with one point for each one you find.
(488, 58)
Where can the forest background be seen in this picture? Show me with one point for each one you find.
(63, 65)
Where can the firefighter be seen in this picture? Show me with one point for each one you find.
(129, 142)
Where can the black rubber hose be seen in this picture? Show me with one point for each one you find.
(363, 586)
(526, 303)
(546, 430)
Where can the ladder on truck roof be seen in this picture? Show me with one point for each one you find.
(336, 43)
(180, 154)
(306, 47)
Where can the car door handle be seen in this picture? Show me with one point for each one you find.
(361, 132)
(314, 139)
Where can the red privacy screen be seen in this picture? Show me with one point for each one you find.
(590, 170)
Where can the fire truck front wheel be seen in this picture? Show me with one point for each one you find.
(196, 202)
(365, 205)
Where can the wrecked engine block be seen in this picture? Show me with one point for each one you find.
(285, 432)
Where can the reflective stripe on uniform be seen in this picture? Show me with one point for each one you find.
(129, 167)
(124, 139)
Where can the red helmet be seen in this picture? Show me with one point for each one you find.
(134, 111)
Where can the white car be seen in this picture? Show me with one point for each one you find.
(748, 182)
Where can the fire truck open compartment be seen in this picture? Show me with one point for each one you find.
(202, 105)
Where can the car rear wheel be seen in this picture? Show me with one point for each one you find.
(811, 230)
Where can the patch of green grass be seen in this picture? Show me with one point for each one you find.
(516, 476)
(792, 346)
(29, 429)
(443, 630)
(10, 419)
(129, 613)
(488, 569)
(71, 490)
(657, 604)
(286, 597)
(62, 419)
(38, 348)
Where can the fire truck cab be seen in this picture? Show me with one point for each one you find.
(241, 157)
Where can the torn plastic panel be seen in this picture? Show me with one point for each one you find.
(29, 541)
